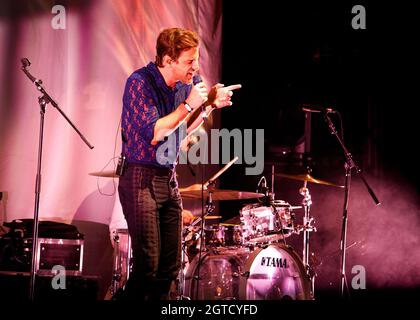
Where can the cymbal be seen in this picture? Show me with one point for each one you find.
(105, 174)
(307, 177)
(194, 192)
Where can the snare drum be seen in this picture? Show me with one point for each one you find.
(232, 235)
(266, 224)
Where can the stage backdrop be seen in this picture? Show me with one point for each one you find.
(83, 51)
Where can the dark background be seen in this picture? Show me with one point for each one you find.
(286, 55)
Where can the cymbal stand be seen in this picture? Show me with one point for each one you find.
(307, 227)
(181, 284)
(209, 209)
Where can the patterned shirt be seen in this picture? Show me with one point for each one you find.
(146, 99)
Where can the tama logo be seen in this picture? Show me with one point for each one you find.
(274, 262)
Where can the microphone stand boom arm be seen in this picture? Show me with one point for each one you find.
(349, 165)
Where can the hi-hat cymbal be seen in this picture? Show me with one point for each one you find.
(105, 174)
(307, 177)
(194, 192)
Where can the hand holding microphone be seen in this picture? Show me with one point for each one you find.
(219, 96)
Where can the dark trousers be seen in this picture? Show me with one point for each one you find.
(152, 206)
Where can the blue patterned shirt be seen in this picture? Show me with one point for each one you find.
(146, 99)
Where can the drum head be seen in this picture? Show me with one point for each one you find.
(275, 273)
(217, 277)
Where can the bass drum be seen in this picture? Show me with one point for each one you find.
(272, 273)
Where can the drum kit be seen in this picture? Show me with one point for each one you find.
(250, 260)
(246, 261)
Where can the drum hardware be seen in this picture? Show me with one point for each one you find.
(306, 202)
(181, 275)
(209, 207)
(307, 228)
(121, 268)
(302, 228)
(117, 272)
(308, 221)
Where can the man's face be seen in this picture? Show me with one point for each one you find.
(186, 66)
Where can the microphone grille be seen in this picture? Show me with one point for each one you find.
(197, 79)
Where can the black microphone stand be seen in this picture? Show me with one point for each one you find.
(349, 166)
(43, 101)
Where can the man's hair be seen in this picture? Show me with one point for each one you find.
(173, 42)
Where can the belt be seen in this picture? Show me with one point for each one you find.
(163, 171)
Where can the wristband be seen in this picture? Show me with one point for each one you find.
(187, 106)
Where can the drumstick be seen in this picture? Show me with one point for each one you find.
(198, 219)
(212, 179)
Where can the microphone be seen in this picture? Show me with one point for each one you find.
(262, 186)
(197, 79)
(25, 62)
(317, 109)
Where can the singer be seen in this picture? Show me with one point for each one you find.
(158, 98)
